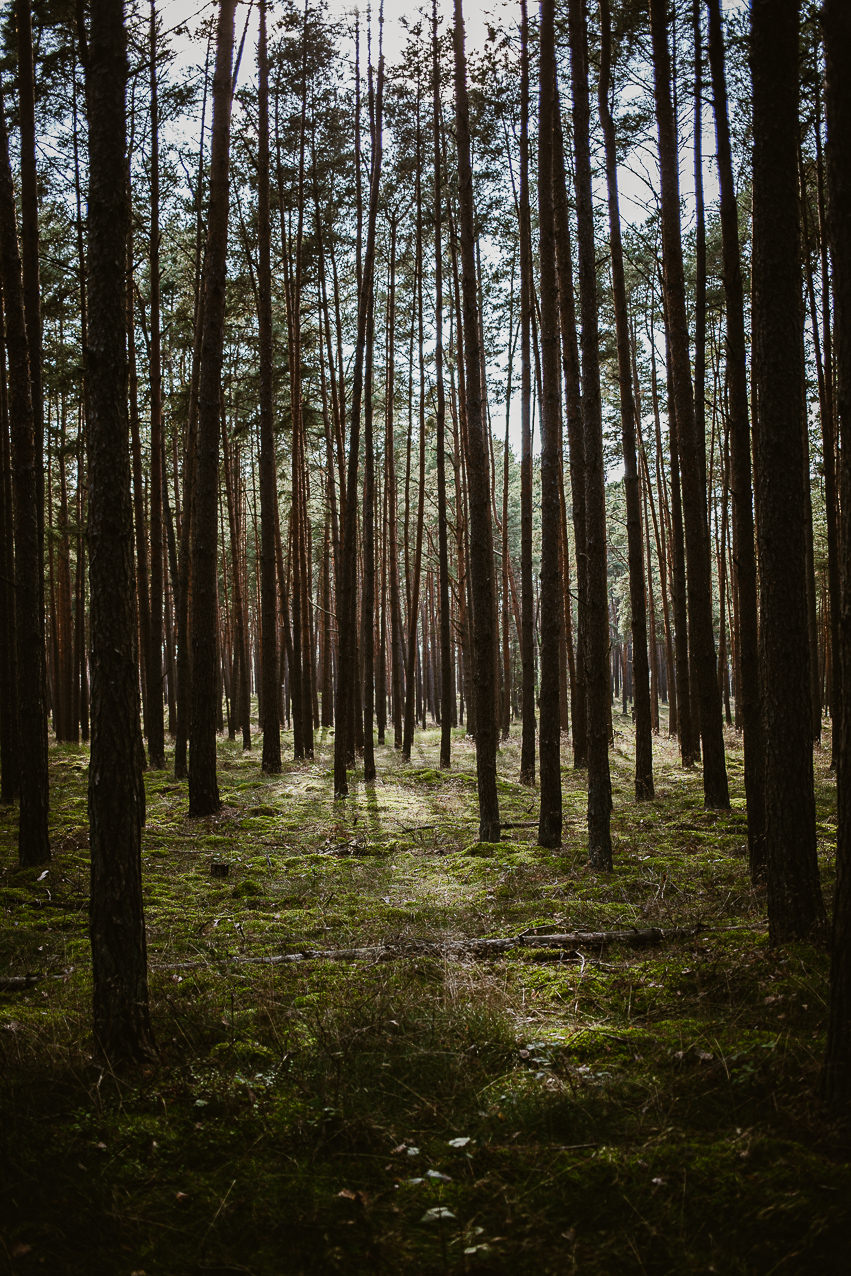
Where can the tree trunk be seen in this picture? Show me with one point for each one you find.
(836, 19)
(269, 664)
(415, 577)
(368, 535)
(396, 673)
(575, 439)
(569, 671)
(671, 520)
(829, 450)
(481, 535)
(527, 587)
(795, 907)
(550, 819)
(63, 611)
(30, 249)
(81, 666)
(302, 666)
(241, 693)
(203, 784)
(699, 250)
(116, 792)
(596, 651)
(139, 520)
(699, 582)
(381, 625)
(635, 547)
(190, 458)
(33, 841)
(446, 679)
(346, 594)
(9, 763)
(505, 720)
(748, 683)
(154, 725)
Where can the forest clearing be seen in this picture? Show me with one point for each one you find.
(622, 1109)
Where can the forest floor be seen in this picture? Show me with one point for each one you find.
(625, 1109)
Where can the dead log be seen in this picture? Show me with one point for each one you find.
(569, 945)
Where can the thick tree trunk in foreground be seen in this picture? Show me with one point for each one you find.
(837, 31)
(203, 784)
(550, 821)
(699, 583)
(481, 535)
(33, 842)
(116, 792)
(795, 907)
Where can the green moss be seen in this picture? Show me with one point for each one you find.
(640, 1109)
(246, 889)
(483, 850)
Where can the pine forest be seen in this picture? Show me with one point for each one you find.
(425, 636)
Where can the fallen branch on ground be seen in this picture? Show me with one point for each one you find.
(18, 983)
(568, 944)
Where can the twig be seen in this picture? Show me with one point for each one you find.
(222, 1204)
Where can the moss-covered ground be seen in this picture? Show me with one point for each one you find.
(640, 1110)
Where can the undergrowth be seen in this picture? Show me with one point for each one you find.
(639, 1110)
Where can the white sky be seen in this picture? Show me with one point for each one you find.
(474, 18)
(478, 14)
(173, 12)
